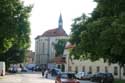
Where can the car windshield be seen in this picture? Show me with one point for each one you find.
(67, 75)
(109, 74)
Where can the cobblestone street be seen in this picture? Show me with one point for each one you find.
(25, 78)
(34, 77)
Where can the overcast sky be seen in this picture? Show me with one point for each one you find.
(45, 14)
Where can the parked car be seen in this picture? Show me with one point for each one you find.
(109, 78)
(83, 75)
(37, 68)
(30, 66)
(79, 75)
(88, 76)
(103, 78)
(55, 71)
(13, 68)
(66, 77)
(24, 69)
(2, 68)
(19, 69)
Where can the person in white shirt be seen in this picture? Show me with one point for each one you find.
(46, 73)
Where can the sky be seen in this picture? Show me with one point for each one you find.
(45, 14)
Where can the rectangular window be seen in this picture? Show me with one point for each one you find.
(124, 71)
(115, 70)
(76, 69)
(98, 69)
(90, 70)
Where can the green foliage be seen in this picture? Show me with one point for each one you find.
(103, 34)
(14, 16)
(59, 47)
(14, 30)
(119, 81)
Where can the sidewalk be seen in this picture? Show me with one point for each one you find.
(49, 77)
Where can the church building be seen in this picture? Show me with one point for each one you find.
(44, 48)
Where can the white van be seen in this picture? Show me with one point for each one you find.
(2, 68)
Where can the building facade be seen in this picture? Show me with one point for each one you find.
(30, 57)
(44, 44)
(73, 65)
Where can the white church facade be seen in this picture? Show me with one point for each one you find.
(44, 48)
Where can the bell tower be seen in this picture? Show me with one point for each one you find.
(60, 22)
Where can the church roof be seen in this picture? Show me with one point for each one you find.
(53, 33)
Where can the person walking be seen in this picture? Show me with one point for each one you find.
(46, 73)
(42, 72)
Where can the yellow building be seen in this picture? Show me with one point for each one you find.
(73, 65)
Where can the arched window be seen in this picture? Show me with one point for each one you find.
(90, 70)
(115, 70)
(106, 69)
(124, 71)
(98, 69)
(83, 68)
(76, 69)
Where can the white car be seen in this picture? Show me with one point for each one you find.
(19, 69)
(81, 75)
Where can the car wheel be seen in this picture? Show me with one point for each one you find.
(91, 79)
(102, 81)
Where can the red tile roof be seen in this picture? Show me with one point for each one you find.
(70, 46)
(53, 33)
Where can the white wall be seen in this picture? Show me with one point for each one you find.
(42, 57)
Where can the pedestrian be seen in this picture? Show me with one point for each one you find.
(46, 73)
(42, 72)
(32, 69)
(52, 72)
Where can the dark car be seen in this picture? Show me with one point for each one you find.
(66, 78)
(103, 78)
(55, 71)
(109, 78)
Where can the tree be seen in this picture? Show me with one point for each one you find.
(14, 17)
(103, 34)
(59, 50)
(59, 47)
(78, 27)
(15, 30)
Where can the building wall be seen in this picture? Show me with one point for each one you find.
(41, 49)
(29, 57)
(87, 66)
(44, 49)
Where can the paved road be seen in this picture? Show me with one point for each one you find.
(29, 78)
